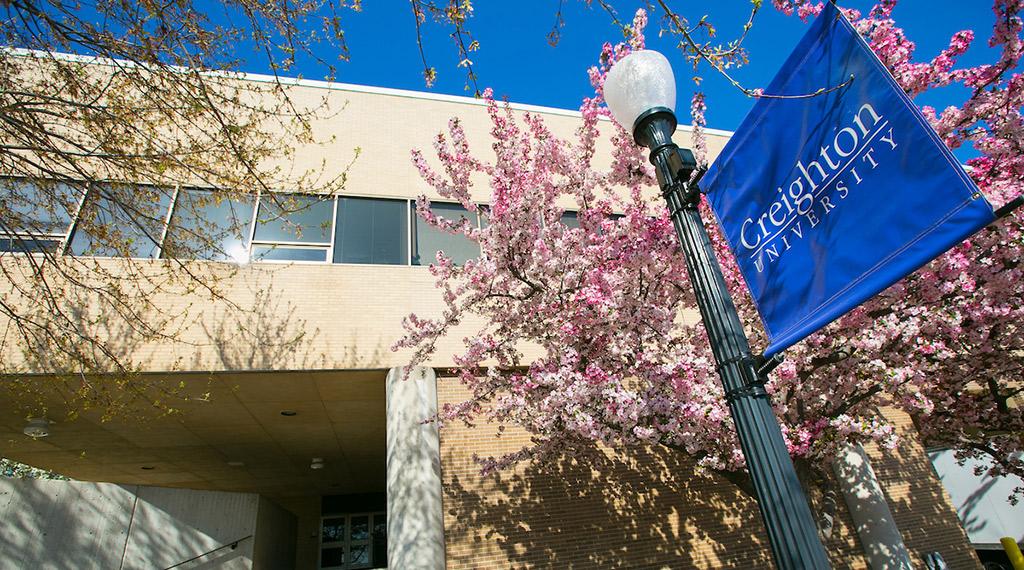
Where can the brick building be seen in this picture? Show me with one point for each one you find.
(315, 449)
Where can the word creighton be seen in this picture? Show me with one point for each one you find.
(819, 186)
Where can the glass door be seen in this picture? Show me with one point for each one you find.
(355, 541)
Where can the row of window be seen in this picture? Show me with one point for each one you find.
(109, 220)
(154, 222)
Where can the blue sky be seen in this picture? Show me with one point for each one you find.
(516, 60)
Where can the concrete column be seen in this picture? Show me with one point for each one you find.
(876, 527)
(415, 516)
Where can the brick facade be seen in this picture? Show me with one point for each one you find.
(649, 508)
(920, 504)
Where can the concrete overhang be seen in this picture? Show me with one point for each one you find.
(236, 439)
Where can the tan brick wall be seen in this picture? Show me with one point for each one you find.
(919, 503)
(279, 317)
(638, 509)
(649, 508)
(387, 127)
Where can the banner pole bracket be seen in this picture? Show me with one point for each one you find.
(1009, 207)
(766, 365)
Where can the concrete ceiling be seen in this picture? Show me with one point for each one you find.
(339, 416)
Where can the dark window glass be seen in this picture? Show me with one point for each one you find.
(122, 220)
(332, 557)
(570, 219)
(334, 530)
(285, 253)
(29, 244)
(371, 231)
(360, 527)
(380, 538)
(428, 240)
(294, 218)
(359, 557)
(208, 225)
(31, 207)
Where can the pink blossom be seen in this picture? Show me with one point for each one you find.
(601, 302)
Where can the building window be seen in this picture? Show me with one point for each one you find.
(354, 541)
(428, 240)
(210, 226)
(570, 219)
(292, 227)
(122, 220)
(36, 216)
(372, 230)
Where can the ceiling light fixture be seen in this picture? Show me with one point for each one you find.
(37, 428)
(317, 463)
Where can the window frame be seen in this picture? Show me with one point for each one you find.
(347, 542)
(167, 222)
(412, 220)
(327, 246)
(63, 239)
(407, 223)
(91, 189)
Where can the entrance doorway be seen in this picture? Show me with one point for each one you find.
(353, 541)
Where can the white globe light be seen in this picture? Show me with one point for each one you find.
(638, 83)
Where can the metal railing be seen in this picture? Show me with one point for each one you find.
(232, 545)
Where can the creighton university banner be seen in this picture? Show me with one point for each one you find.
(827, 200)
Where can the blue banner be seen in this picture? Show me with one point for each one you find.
(827, 200)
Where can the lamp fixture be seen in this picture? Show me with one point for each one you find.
(640, 84)
(37, 428)
(640, 91)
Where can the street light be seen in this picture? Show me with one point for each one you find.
(640, 91)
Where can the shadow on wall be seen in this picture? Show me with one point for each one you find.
(645, 510)
(270, 335)
(254, 326)
(983, 500)
(60, 524)
(104, 338)
(171, 526)
(976, 522)
(415, 523)
(266, 336)
(47, 527)
(95, 368)
(920, 506)
(90, 327)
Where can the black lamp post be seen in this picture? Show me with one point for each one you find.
(640, 91)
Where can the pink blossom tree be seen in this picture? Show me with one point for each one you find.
(602, 301)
